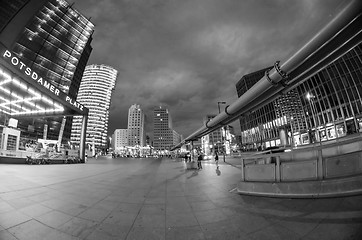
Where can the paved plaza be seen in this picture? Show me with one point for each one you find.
(158, 199)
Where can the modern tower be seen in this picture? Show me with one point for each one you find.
(164, 136)
(95, 93)
(53, 39)
(136, 126)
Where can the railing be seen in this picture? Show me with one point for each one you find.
(19, 154)
(335, 159)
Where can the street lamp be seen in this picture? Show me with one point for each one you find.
(310, 97)
(223, 129)
(291, 130)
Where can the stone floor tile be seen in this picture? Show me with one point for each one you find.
(5, 206)
(146, 233)
(202, 206)
(150, 220)
(336, 231)
(125, 219)
(78, 227)
(182, 233)
(31, 230)
(107, 231)
(19, 203)
(6, 235)
(35, 210)
(249, 222)
(223, 230)
(54, 218)
(210, 216)
(12, 218)
(274, 232)
(94, 214)
(73, 209)
(158, 209)
(181, 220)
(128, 207)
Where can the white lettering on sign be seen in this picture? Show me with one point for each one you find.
(33, 75)
(74, 103)
(29, 72)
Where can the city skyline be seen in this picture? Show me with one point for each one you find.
(189, 55)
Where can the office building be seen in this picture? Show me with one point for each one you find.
(95, 93)
(136, 126)
(325, 106)
(164, 136)
(120, 139)
(53, 39)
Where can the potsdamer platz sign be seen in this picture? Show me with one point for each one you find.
(24, 93)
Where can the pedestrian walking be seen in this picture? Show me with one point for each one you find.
(199, 158)
(217, 160)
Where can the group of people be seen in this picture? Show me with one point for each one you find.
(199, 159)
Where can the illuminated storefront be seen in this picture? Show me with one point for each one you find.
(324, 107)
(52, 44)
(25, 93)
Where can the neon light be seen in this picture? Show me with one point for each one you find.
(28, 71)
(31, 74)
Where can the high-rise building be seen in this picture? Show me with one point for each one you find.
(53, 39)
(136, 126)
(120, 139)
(164, 136)
(95, 93)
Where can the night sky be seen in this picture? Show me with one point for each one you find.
(189, 54)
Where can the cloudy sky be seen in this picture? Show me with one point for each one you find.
(189, 54)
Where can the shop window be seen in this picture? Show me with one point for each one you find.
(331, 132)
(340, 130)
(323, 135)
(305, 138)
(11, 144)
(351, 127)
(359, 121)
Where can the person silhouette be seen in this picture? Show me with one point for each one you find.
(199, 158)
(218, 172)
(217, 160)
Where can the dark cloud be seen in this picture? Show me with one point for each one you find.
(189, 54)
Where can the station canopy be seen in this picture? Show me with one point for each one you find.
(18, 98)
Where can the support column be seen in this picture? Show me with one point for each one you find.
(83, 137)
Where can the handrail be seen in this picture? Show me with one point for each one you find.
(257, 94)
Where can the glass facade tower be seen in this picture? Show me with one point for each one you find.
(53, 39)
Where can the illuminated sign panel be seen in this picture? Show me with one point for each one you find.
(28, 71)
(19, 98)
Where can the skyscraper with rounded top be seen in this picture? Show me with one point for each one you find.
(95, 93)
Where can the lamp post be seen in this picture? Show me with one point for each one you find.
(223, 130)
(310, 97)
(291, 131)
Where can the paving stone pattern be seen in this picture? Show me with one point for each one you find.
(158, 199)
